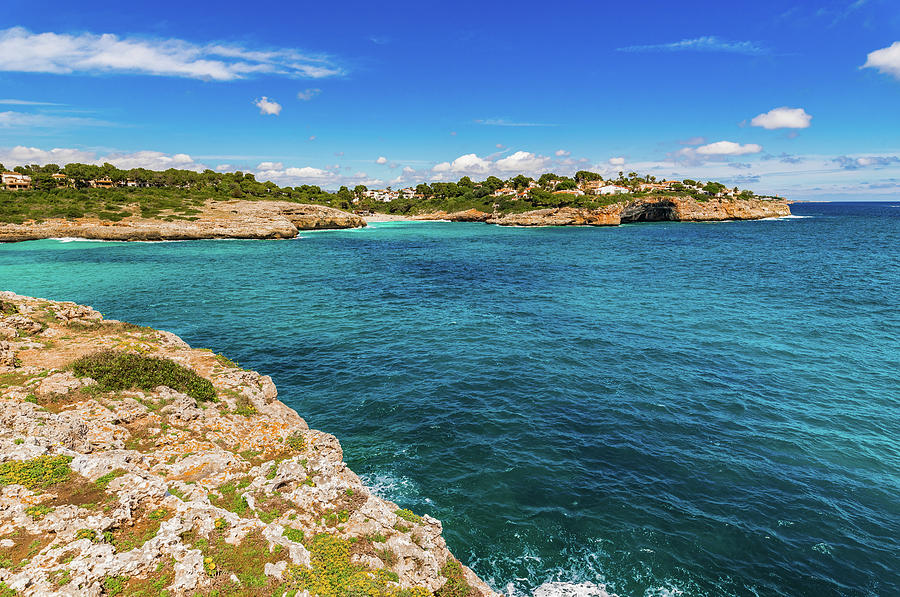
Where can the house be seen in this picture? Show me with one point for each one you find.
(60, 179)
(591, 186)
(612, 189)
(383, 195)
(101, 183)
(15, 181)
(574, 192)
(503, 192)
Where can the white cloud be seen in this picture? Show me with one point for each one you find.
(561, 153)
(10, 119)
(18, 102)
(381, 160)
(783, 118)
(523, 162)
(726, 148)
(153, 160)
(223, 168)
(616, 161)
(408, 170)
(292, 176)
(24, 51)
(505, 122)
(707, 43)
(468, 163)
(308, 94)
(886, 60)
(267, 106)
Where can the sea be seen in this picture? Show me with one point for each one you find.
(656, 409)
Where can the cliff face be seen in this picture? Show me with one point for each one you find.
(218, 219)
(649, 210)
(131, 463)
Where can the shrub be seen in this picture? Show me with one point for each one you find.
(408, 515)
(456, 585)
(42, 471)
(115, 371)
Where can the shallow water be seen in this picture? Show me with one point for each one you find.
(711, 409)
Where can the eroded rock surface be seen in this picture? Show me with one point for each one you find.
(144, 490)
(217, 219)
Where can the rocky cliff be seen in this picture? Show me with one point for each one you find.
(649, 209)
(217, 219)
(132, 464)
(653, 209)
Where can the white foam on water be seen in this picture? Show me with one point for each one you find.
(78, 239)
(568, 589)
(389, 487)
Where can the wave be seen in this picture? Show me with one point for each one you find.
(568, 589)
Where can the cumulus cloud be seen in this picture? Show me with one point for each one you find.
(153, 160)
(616, 161)
(59, 53)
(277, 173)
(381, 160)
(708, 43)
(886, 60)
(523, 162)
(720, 148)
(223, 168)
(561, 153)
(857, 163)
(308, 94)
(783, 118)
(267, 106)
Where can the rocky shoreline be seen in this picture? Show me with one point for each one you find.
(656, 209)
(133, 464)
(217, 219)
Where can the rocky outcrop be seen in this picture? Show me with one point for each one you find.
(217, 219)
(211, 486)
(653, 209)
(563, 216)
(470, 215)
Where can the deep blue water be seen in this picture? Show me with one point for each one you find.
(705, 408)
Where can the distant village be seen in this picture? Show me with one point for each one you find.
(518, 188)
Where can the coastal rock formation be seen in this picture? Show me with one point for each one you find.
(651, 209)
(131, 463)
(562, 216)
(470, 215)
(217, 219)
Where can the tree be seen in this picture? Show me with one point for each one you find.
(565, 184)
(493, 183)
(521, 181)
(690, 183)
(714, 188)
(585, 175)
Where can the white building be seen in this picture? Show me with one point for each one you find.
(15, 181)
(612, 189)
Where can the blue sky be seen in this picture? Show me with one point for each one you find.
(799, 99)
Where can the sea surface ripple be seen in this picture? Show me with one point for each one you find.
(654, 409)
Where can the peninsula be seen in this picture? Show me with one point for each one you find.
(106, 203)
(132, 464)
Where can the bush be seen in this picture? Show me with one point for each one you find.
(42, 471)
(115, 371)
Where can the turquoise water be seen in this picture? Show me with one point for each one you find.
(711, 409)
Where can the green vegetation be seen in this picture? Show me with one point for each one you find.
(115, 371)
(230, 499)
(114, 585)
(36, 473)
(5, 591)
(408, 516)
(456, 585)
(296, 441)
(179, 194)
(333, 575)
(104, 481)
(38, 511)
(295, 535)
